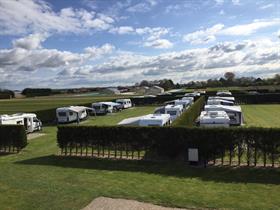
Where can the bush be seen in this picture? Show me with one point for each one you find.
(173, 142)
(190, 115)
(12, 138)
(261, 98)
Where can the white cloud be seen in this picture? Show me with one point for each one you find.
(96, 52)
(248, 29)
(159, 44)
(33, 41)
(203, 36)
(219, 2)
(144, 6)
(267, 6)
(37, 16)
(209, 35)
(123, 30)
(236, 2)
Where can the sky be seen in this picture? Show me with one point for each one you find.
(89, 43)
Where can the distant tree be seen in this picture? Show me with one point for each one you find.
(229, 76)
(144, 83)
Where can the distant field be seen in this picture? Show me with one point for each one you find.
(42, 103)
(262, 115)
(115, 118)
(269, 87)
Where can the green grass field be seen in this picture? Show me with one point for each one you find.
(262, 115)
(115, 118)
(42, 103)
(37, 178)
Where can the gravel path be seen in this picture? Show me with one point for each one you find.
(103, 203)
(34, 135)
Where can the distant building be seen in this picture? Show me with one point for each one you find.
(112, 91)
(144, 90)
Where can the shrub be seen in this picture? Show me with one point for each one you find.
(173, 142)
(190, 115)
(12, 138)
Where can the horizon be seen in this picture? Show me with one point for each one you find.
(95, 43)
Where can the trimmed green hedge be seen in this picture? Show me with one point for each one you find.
(12, 138)
(256, 144)
(190, 115)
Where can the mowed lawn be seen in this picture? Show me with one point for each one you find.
(42, 103)
(115, 118)
(37, 178)
(262, 115)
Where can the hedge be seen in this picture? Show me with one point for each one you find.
(264, 98)
(12, 138)
(190, 115)
(250, 146)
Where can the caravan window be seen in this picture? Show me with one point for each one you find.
(62, 114)
(172, 112)
(71, 113)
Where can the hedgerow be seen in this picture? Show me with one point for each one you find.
(12, 138)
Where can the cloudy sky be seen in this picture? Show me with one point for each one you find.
(69, 43)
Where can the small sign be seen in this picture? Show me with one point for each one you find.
(193, 155)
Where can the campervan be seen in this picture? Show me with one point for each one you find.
(223, 93)
(219, 102)
(184, 103)
(226, 98)
(174, 111)
(103, 107)
(147, 120)
(71, 114)
(155, 120)
(194, 94)
(214, 119)
(29, 120)
(126, 103)
(234, 112)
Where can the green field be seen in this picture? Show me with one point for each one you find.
(262, 115)
(42, 103)
(37, 178)
(115, 118)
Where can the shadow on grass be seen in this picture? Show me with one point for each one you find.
(175, 169)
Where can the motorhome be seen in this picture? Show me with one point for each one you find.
(71, 114)
(147, 120)
(234, 112)
(214, 119)
(126, 103)
(191, 99)
(29, 120)
(103, 107)
(223, 93)
(219, 102)
(174, 111)
(226, 98)
(184, 103)
(194, 94)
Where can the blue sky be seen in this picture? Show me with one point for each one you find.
(71, 43)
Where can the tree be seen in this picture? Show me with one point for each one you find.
(229, 76)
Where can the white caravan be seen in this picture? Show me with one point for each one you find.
(174, 111)
(223, 93)
(71, 114)
(226, 98)
(219, 102)
(147, 120)
(214, 119)
(126, 103)
(184, 103)
(194, 94)
(29, 120)
(191, 99)
(103, 107)
(234, 112)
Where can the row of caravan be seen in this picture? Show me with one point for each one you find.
(221, 111)
(28, 120)
(77, 113)
(162, 116)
